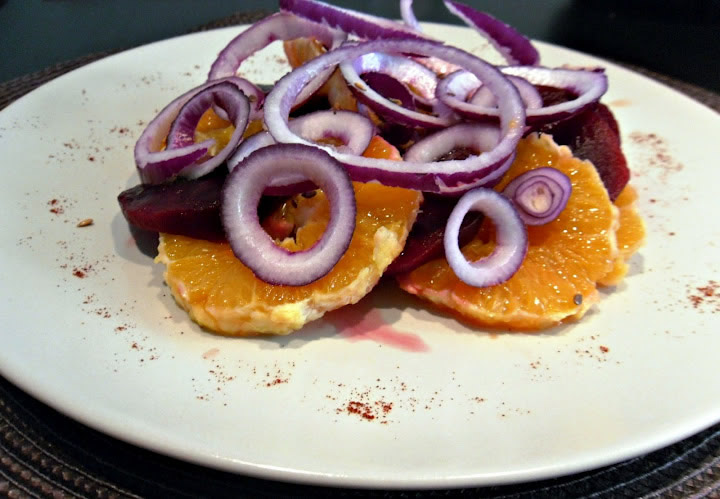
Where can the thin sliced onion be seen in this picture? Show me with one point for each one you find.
(404, 70)
(475, 137)
(528, 93)
(442, 177)
(249, 241)
(454, 91)
(540, 195)
(408, 16)
(515, 47)
(588, 85)
(185, 158)
(510, 246)
(352, 129)
(350, 21)
(279, 26)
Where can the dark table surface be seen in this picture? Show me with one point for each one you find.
(43, 453)
(674, 37)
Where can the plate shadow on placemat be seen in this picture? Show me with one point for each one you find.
(42, 451)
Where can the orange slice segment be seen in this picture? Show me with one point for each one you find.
(630, 235)
(223, 295)
(565, 259)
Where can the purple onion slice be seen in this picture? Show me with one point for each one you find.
(507, 40)
(511, 239)
(249, 241)
(353, 130)
(350, 21)
(408, 16)
(420, 84)
(528, 93)
(588, 85)
(466, 95)
(222, 95)
(280, 26)
(182, 157)
(540, 195)
(447, 177)
(470, 138)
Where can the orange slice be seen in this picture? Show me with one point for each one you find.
(630, 235)
(223, 295)
(565, 258)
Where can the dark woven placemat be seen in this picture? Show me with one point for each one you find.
(45, 454)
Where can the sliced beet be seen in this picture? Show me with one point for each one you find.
(593, 135)
(190, 207)
(185, 207)
(425, 241)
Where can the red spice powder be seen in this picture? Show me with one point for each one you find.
(55, 207)
(706, 296)
(360, 408)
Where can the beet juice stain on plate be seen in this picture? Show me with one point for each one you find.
(361, 322)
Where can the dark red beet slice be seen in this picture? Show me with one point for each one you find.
(593, 135)
(190, 208)
(425, 241)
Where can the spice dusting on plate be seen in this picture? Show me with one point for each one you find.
(706, 298)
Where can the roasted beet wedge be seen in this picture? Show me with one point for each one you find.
(425, 240)
(593, 135)
(190, 208)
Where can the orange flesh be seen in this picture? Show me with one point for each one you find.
(222, 294)
(566, 258)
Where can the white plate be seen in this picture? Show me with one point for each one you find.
(113, 351)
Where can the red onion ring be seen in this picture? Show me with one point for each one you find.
(410, 74)
(477, 137)
(442, 177)
(408, 16)
(515, 47)
(222, 95)
(589, 86)
(249, 241)
(255, 95)
(528, 93)
(156, 165)
(511, 239)
(353, 129)
(350, 21)
(540, 195)
(279, 26)
(455, 89)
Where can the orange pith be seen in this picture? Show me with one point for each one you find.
(223, 295)
(566, 258)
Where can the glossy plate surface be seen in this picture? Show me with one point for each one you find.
(90, 328)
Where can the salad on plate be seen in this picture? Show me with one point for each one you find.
(497, 193)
